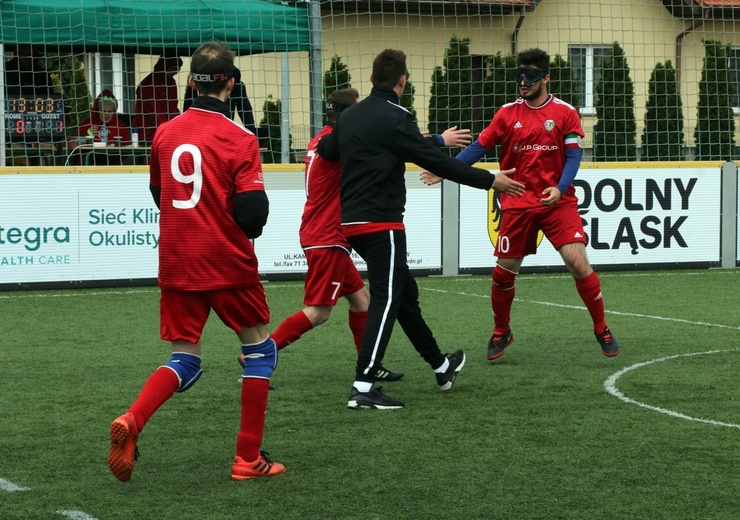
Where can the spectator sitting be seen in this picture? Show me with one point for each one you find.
(104, 116)
(157, 97)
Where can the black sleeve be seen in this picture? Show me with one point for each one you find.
(328, 146)
(240, 103)
(411, 146)
(250, 212)
(436, 140)
(156, 192)
(189, 98)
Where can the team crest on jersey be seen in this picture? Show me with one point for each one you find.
(516, 148)
(494, 220)
(549, 124)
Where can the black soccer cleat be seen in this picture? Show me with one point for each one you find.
(385, 375)
(446, 379)
(372, 400)
(609, 345)
(497, 344)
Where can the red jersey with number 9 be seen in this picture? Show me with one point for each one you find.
(201, 159)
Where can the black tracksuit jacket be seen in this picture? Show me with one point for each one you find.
(373, 140)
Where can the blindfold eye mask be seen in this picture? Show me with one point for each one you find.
(529, 75)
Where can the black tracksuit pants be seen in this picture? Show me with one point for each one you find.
(393, 295)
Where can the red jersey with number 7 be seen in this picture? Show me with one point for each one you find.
(321, 224)
(201, 159)
(533, 140)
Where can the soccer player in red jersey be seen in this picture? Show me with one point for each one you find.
(538, 134)
(206, 178)
(331, 272)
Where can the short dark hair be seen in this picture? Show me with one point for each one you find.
(339, 100)
(211, 67)
(388, 67)
(535, 57)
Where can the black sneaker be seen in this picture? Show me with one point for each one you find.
(446, 379)
(383, 374)
(609, 345)
(497, 344)
(372, 400)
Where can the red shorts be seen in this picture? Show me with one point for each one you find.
(519, 231)
(183, 314)
(331, 274)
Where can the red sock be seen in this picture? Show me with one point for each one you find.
(160, 386)
(589, 289)
(252, 424)
(357, 322)
(502, 296)
(292, 328)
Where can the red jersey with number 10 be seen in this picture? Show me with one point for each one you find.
(321, 224)
(201, 159)
(533, 140)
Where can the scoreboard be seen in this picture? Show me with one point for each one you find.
(40, 116)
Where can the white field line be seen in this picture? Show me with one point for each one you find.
(75, 515)
(612, 274)
(8, 486)
(610, 383)
(580, 307)
(611, 386)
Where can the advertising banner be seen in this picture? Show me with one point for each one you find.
(95, 227)
(631, 217)
(279, 249)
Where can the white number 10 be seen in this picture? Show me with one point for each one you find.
(196, 179)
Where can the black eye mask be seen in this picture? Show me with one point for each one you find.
(529, 75)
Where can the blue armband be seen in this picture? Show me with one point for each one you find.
(472, 154)
(572, 163)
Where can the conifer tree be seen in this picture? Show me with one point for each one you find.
(562, 81)
(336, 77)
(452, 89)
(499, 88)
(269, 130)
(407, 99)
(615, 133)
(715, 126)
(663, 136)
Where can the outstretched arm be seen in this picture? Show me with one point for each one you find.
(451, 137)
(502, 182)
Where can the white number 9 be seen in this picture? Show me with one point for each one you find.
(196, 179)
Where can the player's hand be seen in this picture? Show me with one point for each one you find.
(504, 184)
(550, 196)
(429, 178)
(459, 138)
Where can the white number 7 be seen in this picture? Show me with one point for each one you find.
(336, 290)
(196, 179)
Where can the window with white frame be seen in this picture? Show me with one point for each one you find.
(586, 62)
(735, 77)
